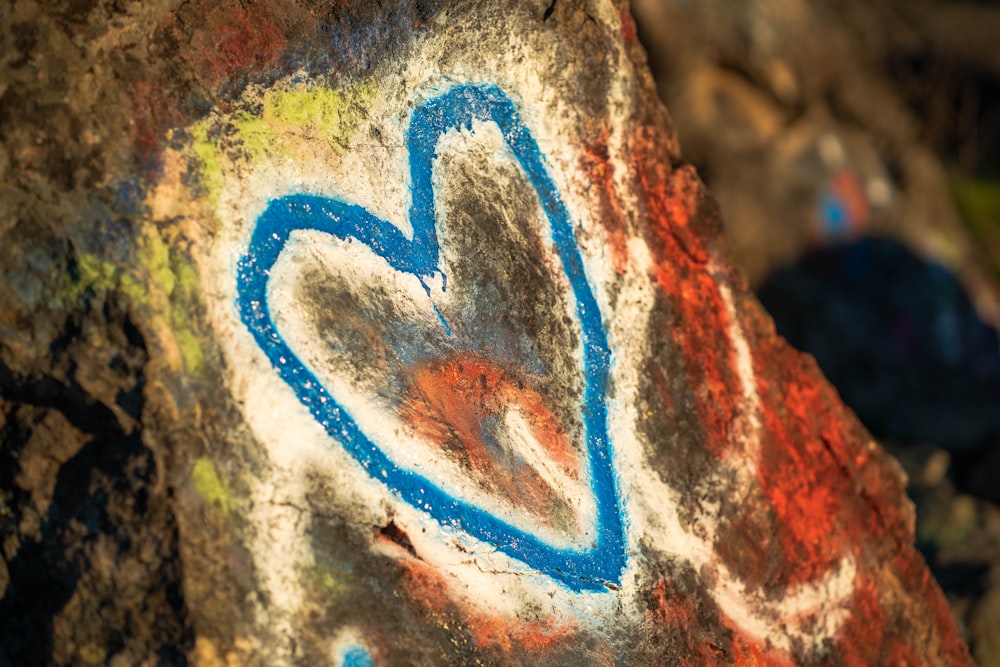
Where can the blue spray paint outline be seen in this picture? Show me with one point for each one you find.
(596, 568)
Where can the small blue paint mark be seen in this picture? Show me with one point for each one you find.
(833, 212)
(357, 656)
(457, 109)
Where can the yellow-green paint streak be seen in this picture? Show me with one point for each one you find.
(190, 347)
(210, 486)
(178, 281)
(95, 274)
(100, 276)
(207, 154)
(329, 115)
(184, 293)
(155, 256)
(284, 118)
(259, 139)
(163, 272)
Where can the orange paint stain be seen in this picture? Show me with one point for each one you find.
(695, 295)
(507, 633)
(747, 652)
(458, 396)
(425, 584)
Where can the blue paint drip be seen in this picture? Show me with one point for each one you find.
(444, 322)
(357, 656)
(458, 108)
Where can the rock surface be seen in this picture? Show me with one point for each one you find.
(351, 334)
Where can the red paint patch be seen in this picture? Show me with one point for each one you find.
(236, 42)
(227, 44)
(630, 33)
(678, 237)
(680, 272)
(506, 633)
(460, 405)
(678, 614)
(806, 507)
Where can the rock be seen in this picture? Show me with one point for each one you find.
(358, 334)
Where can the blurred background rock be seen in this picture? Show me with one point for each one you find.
(854, 148)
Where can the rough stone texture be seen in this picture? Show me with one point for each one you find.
(628, 466)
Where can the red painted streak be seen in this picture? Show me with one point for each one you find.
(805, 507)
(803, 482)
(596, 164)
(830, 497)
(703, 340)
(630, 34)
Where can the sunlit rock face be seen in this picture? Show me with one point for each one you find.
(443, 362)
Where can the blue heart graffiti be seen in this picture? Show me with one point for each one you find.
(594, 568)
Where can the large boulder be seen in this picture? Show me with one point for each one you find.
(402, 334)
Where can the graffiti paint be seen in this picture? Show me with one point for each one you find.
(842, 208)
(457, 109)
(356, 656)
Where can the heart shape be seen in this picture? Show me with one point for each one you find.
(469, 393)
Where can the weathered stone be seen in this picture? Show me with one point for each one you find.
(403, 335)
